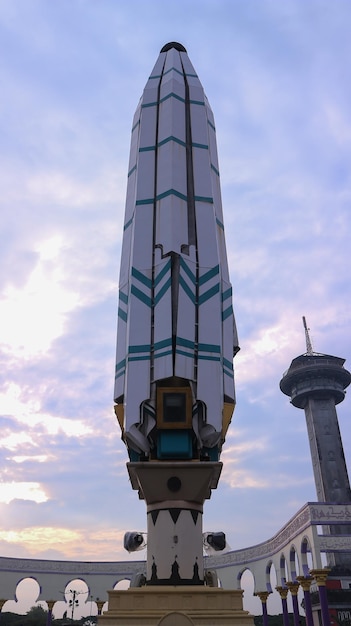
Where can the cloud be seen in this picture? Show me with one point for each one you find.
(29, 414)
(61, 543)
(23, 491)
(34, 315)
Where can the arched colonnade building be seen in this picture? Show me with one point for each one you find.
(297, 554)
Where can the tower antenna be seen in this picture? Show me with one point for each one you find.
(309, 349)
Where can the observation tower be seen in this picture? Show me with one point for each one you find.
(316, 383)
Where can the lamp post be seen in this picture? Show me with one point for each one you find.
(74, 602)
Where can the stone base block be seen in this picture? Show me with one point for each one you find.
(175, 606)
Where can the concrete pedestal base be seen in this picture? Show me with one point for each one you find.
(175, 606)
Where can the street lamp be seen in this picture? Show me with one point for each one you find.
(74, 602)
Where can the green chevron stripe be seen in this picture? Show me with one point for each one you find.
(141, 296)
(164, 343)
(208, 358)
(137, 351)
(229, 374)
(162, 273)
(190, 355)
(141, 277)
(131, 171)
(143, 347)
(120, 365)
(208, 199)
(208, 275)
(226, 294)
(212, 126)
(123, 297)
(146, 201)
(202, 146)
(176, 140)
(227, 313)
(135, 125)
(163, 290)
(219, 223)
(187, 289)
(158, 356)
(171, 95)
(185, 343)
(214, 169)
(170, 192)
(187, 270)
(228, 364)
(209, 294)
(171, 138)
(122, 314)
(173, 69)
(139, 358)
(128, 223)
(209, 347)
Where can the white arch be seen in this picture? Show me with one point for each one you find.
(306, 550)
(294, 563)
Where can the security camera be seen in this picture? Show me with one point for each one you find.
(134, 541)
(216, 541)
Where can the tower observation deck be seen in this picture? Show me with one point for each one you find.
(316, 383)
(319, 375)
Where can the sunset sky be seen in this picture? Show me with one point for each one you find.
(278, 78)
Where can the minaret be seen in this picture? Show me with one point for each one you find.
(174, 385)
(176, 336)
(316, 383)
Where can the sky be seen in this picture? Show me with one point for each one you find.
(277, 75)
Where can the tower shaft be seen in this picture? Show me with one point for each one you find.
(328, 460)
